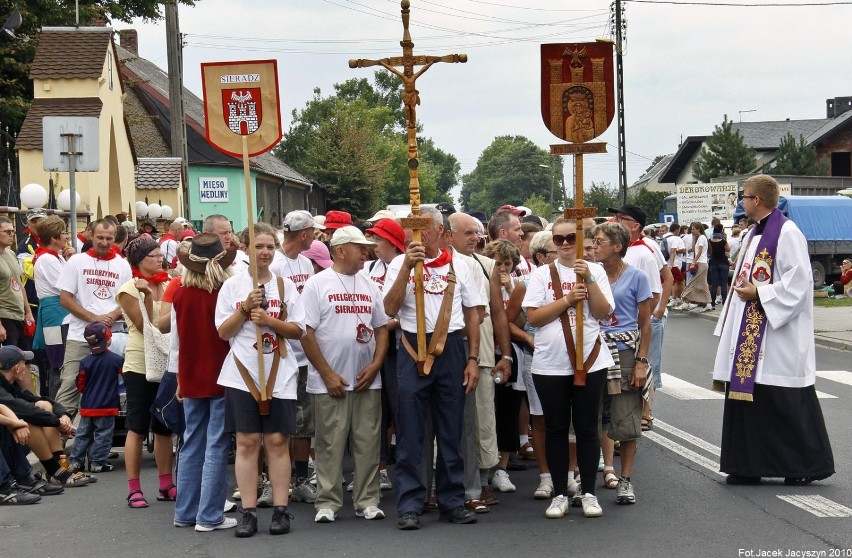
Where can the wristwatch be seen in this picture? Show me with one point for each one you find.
(473, 358)
(643, 360)
(591, 279)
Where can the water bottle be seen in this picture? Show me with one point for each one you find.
(498, 379)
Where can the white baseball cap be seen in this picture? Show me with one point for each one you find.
(300, 220)
(350, 235)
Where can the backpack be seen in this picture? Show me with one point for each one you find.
(664, 246)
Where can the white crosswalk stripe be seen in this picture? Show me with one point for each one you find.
(840, 376)
(686, 391)
(817, 505)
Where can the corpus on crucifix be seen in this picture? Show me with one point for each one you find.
(411, 98)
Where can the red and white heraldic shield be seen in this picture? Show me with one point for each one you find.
(241, 99)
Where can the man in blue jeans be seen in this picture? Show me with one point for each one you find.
(452, 375)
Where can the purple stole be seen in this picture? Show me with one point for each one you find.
(753, 324)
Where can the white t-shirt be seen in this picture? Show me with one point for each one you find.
(377, 273)
(700, 243)
(243, 344)
(644, 259)
(687, 244)
(524, 268)
(339, 308)
(466, 294)
(675, 244)
(46, 272)
(241, 262)
(298, 271)
(94, 283)
(551, 355)
(169, 249)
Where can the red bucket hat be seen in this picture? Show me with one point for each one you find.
(391, 231)
(336, 219)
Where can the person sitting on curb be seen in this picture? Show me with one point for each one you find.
(45, 418)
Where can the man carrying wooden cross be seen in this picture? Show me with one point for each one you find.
(449, 374)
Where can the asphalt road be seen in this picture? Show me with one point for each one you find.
(683, 506)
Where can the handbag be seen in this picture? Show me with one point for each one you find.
(156, 344)
(166, 408)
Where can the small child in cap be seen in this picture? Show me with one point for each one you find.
(98, 383)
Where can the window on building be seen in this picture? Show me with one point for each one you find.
(841, 163)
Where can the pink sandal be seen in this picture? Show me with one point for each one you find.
(167, 494)
(136, 500)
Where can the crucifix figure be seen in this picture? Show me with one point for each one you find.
(411, 98)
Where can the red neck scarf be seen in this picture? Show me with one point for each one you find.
(159, 277)
(42, 250)
(444, 257)
(166, 237)
(91, 252)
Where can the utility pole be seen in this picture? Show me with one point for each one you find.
(174, 51)
(619, 89)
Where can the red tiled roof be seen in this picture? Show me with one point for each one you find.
(30, 136)
(71, 53)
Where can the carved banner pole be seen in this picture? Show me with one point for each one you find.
(243, 118)
(411, 98)
(577, 106)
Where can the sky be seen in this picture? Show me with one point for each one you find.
(685, 65)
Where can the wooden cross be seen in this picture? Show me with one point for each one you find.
(411, 98)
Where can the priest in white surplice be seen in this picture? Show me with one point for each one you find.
(773, 424)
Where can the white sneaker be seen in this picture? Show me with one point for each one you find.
(544, 490)
(671, 303)
(591, 508)
(678, 305)
(227, 523)
(558, 508)
(304, 491)
(384, 480)
(573, 487)
(370, 512)
(500, 481)
(236, 495)
(265, 498)
(324, 515)
(230, 506)
(718, 300)
(313, 479)
(624, 492)
(690, 306)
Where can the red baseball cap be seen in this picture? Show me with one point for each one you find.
(391, 231)
(513, 209)
(336, 219)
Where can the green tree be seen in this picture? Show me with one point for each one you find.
(539, 206)
(378, 107)
(725, 154)
(650, 202)
(798, 158)
(656, 160)
(16, 55)
(600, 195)
(508, 171)
(349, 157)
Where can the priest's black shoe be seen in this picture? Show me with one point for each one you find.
(280, 524)
(408, 522)
(740, 479)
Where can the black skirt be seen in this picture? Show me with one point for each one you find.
(779, 434)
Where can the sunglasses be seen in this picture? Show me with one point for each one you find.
(559, 239)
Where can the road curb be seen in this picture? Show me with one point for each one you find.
(827, 342)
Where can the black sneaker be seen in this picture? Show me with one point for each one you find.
(408, 522)
(460, 516)
(105, 468)
(280, 524)
(247, 526)
(12, 495)
(35, 484)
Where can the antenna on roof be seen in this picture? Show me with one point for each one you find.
(742, 111)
